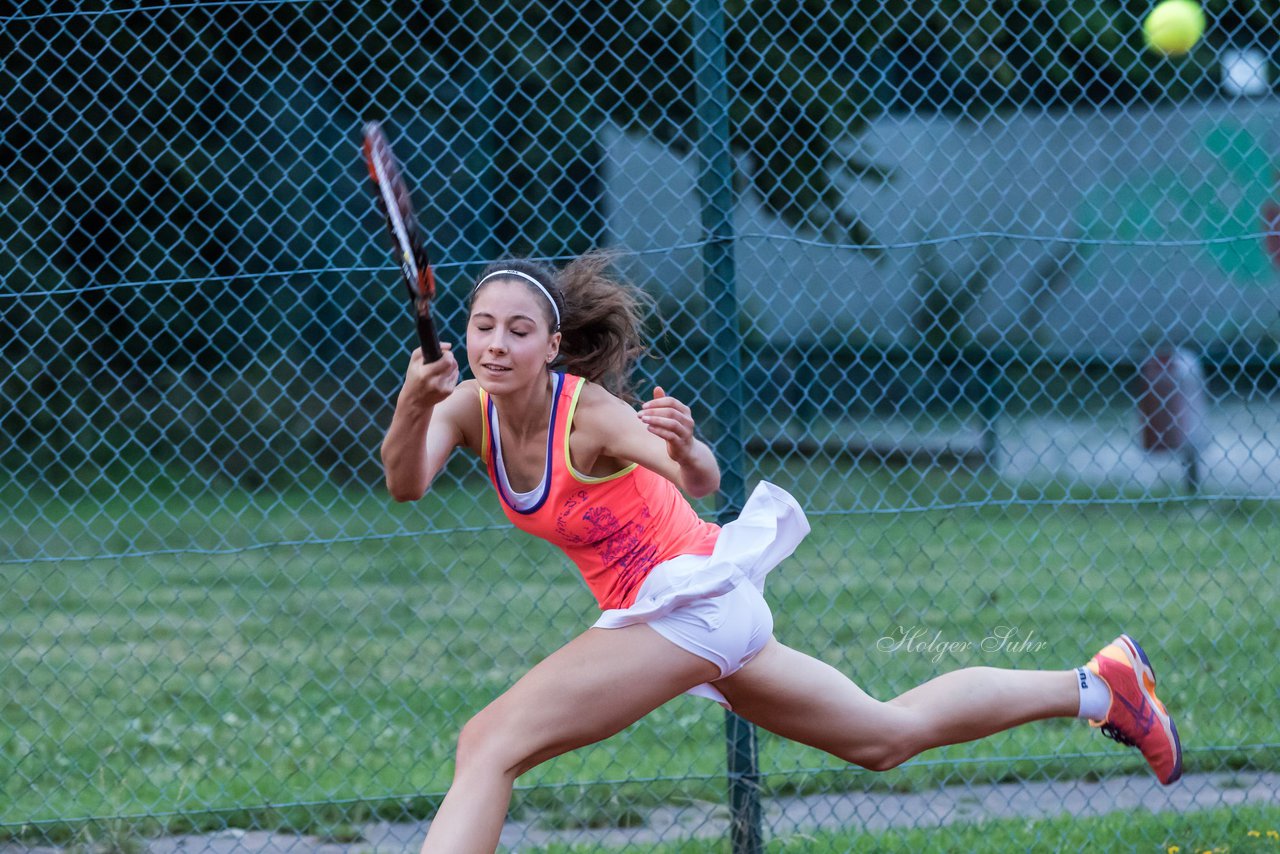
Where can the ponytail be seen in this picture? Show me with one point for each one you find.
(603, 325)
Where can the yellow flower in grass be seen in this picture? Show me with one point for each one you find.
(1271, 834)
(1172, 849)
(1254, 833)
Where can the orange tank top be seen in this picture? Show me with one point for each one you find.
(617, 528)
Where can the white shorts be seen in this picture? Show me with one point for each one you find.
(713, 605)
(728, 631)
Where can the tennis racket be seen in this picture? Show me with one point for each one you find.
(406, 237)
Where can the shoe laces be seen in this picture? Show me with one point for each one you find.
(1116, 735)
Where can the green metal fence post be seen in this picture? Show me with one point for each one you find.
(715, 185)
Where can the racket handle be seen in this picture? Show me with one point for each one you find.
(427, 333)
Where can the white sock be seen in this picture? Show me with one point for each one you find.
(1095, 696)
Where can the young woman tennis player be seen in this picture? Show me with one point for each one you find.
(575, 464)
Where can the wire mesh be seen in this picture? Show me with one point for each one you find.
(1008, 288)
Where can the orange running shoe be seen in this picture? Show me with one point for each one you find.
(1136, 717)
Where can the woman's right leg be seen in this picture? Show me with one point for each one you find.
(597, 684)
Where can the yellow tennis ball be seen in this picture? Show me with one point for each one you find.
(1174, 26)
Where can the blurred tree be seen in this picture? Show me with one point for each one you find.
(185, 105)
(804, 77)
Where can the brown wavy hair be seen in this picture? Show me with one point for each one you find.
(601, 317)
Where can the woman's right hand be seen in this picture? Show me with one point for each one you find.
(429, 383)
(416, 446)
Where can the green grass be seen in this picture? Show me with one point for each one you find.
(1238, 830)
(212, 683)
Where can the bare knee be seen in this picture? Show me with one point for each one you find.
(881, 756)
(892, 747)
(486, 745)
(472, 743)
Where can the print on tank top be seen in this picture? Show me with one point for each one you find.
(614, 543)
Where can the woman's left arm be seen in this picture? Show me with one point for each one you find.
(659, 437)
(671, 421)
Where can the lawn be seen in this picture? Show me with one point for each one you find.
(236, 653)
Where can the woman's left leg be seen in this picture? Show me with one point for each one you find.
(799, 697)
(803, 699)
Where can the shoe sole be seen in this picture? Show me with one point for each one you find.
(1147, 676)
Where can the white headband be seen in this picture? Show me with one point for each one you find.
(530, 279)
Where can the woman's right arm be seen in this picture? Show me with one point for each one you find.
(426, 426)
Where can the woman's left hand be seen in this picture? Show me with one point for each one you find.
(670, 420)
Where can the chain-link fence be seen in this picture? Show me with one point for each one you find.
(990, 287)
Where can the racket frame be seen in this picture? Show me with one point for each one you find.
(406, 236)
